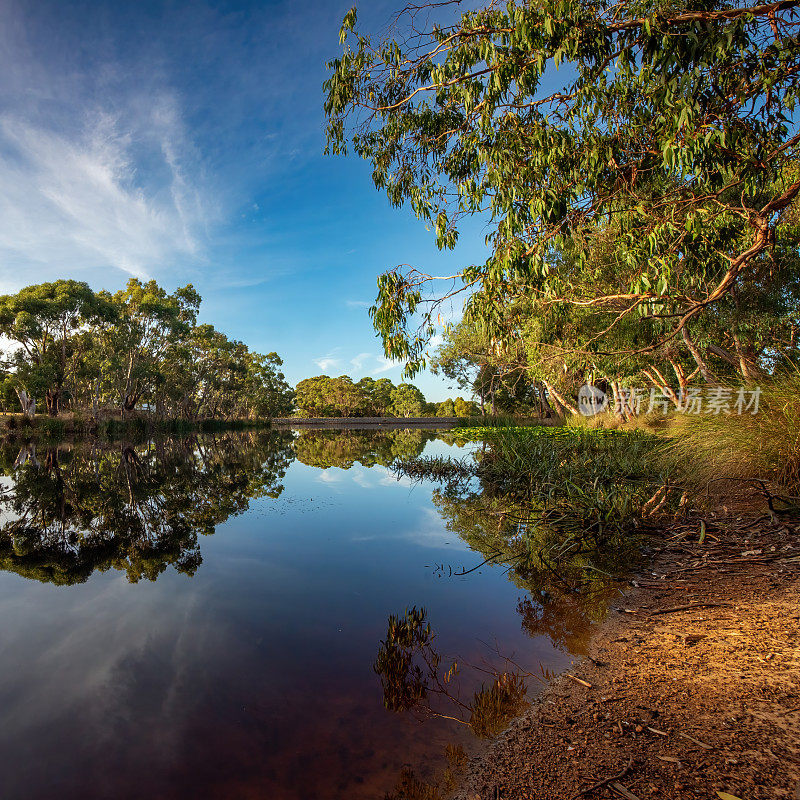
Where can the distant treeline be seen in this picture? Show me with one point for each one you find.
(141, 349)
(342, 397)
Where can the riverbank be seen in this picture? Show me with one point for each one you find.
(691, 687)
(367, 423)
(16, 426)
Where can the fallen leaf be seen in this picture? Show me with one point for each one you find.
(727, 796)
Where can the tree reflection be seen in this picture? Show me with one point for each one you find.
(343, 448)
(413, 678)
(135, 508)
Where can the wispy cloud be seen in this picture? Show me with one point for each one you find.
(71, 200)
(327, 362)
(98, 170)
(359, 361)
(357, 304)
(386, 364)
(328, 476)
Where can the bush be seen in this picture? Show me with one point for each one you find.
(50, 427)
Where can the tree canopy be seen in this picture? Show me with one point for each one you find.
(654, 143)
(140, 348)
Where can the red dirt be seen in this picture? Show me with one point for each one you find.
(695, 684)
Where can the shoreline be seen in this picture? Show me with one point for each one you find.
(693, 683)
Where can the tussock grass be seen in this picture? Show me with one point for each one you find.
(717, 452)
(608, 420)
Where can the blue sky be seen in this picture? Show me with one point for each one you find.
(183, 142)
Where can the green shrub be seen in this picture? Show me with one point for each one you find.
(50, 427)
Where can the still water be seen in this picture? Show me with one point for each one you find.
(200, 617)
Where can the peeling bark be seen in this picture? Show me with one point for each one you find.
(561, 403)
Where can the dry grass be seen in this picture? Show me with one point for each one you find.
(714, 449)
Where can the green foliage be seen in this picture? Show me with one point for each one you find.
(44, 320)
(322, 396)
(582, 485)
(407, 401)
(446, 409)
(379, 396)
(661, 158)
(465, 408)
(141, 348)
(331, 397)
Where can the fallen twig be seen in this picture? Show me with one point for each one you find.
(605, 782)
(687, 607)
(622, 791)
(696, 741)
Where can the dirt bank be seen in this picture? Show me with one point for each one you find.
(694, 683)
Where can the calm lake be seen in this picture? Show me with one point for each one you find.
(200, 617)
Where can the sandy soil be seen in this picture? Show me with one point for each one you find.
(694, 683)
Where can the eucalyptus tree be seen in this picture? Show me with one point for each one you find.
(379, 393)
(150, 324)
(445, 409)
(323, 396)
(407, 400)
(267, 393)
(43, 321)
(672, 121)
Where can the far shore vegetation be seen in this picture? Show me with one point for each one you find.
(138, 352)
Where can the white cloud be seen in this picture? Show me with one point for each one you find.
(71, 201)
(326, 362)
(359, 360)
(386, 364)
(97, 171)
(327, 476)
(357, 304)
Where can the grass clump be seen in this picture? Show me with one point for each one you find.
(494, 706)
(719, 451)
(585, 484)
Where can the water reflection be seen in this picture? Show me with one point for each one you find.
(344, 448)
(255, 678)
(73, 510)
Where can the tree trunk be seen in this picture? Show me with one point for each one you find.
(619, 401)
(28, 404)
(129, 402)
(27, 452)
(51, 399)
(544, 405)
(96, 400)
(660, 382)
(750, 370)
(708, 375)
(559, 399)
